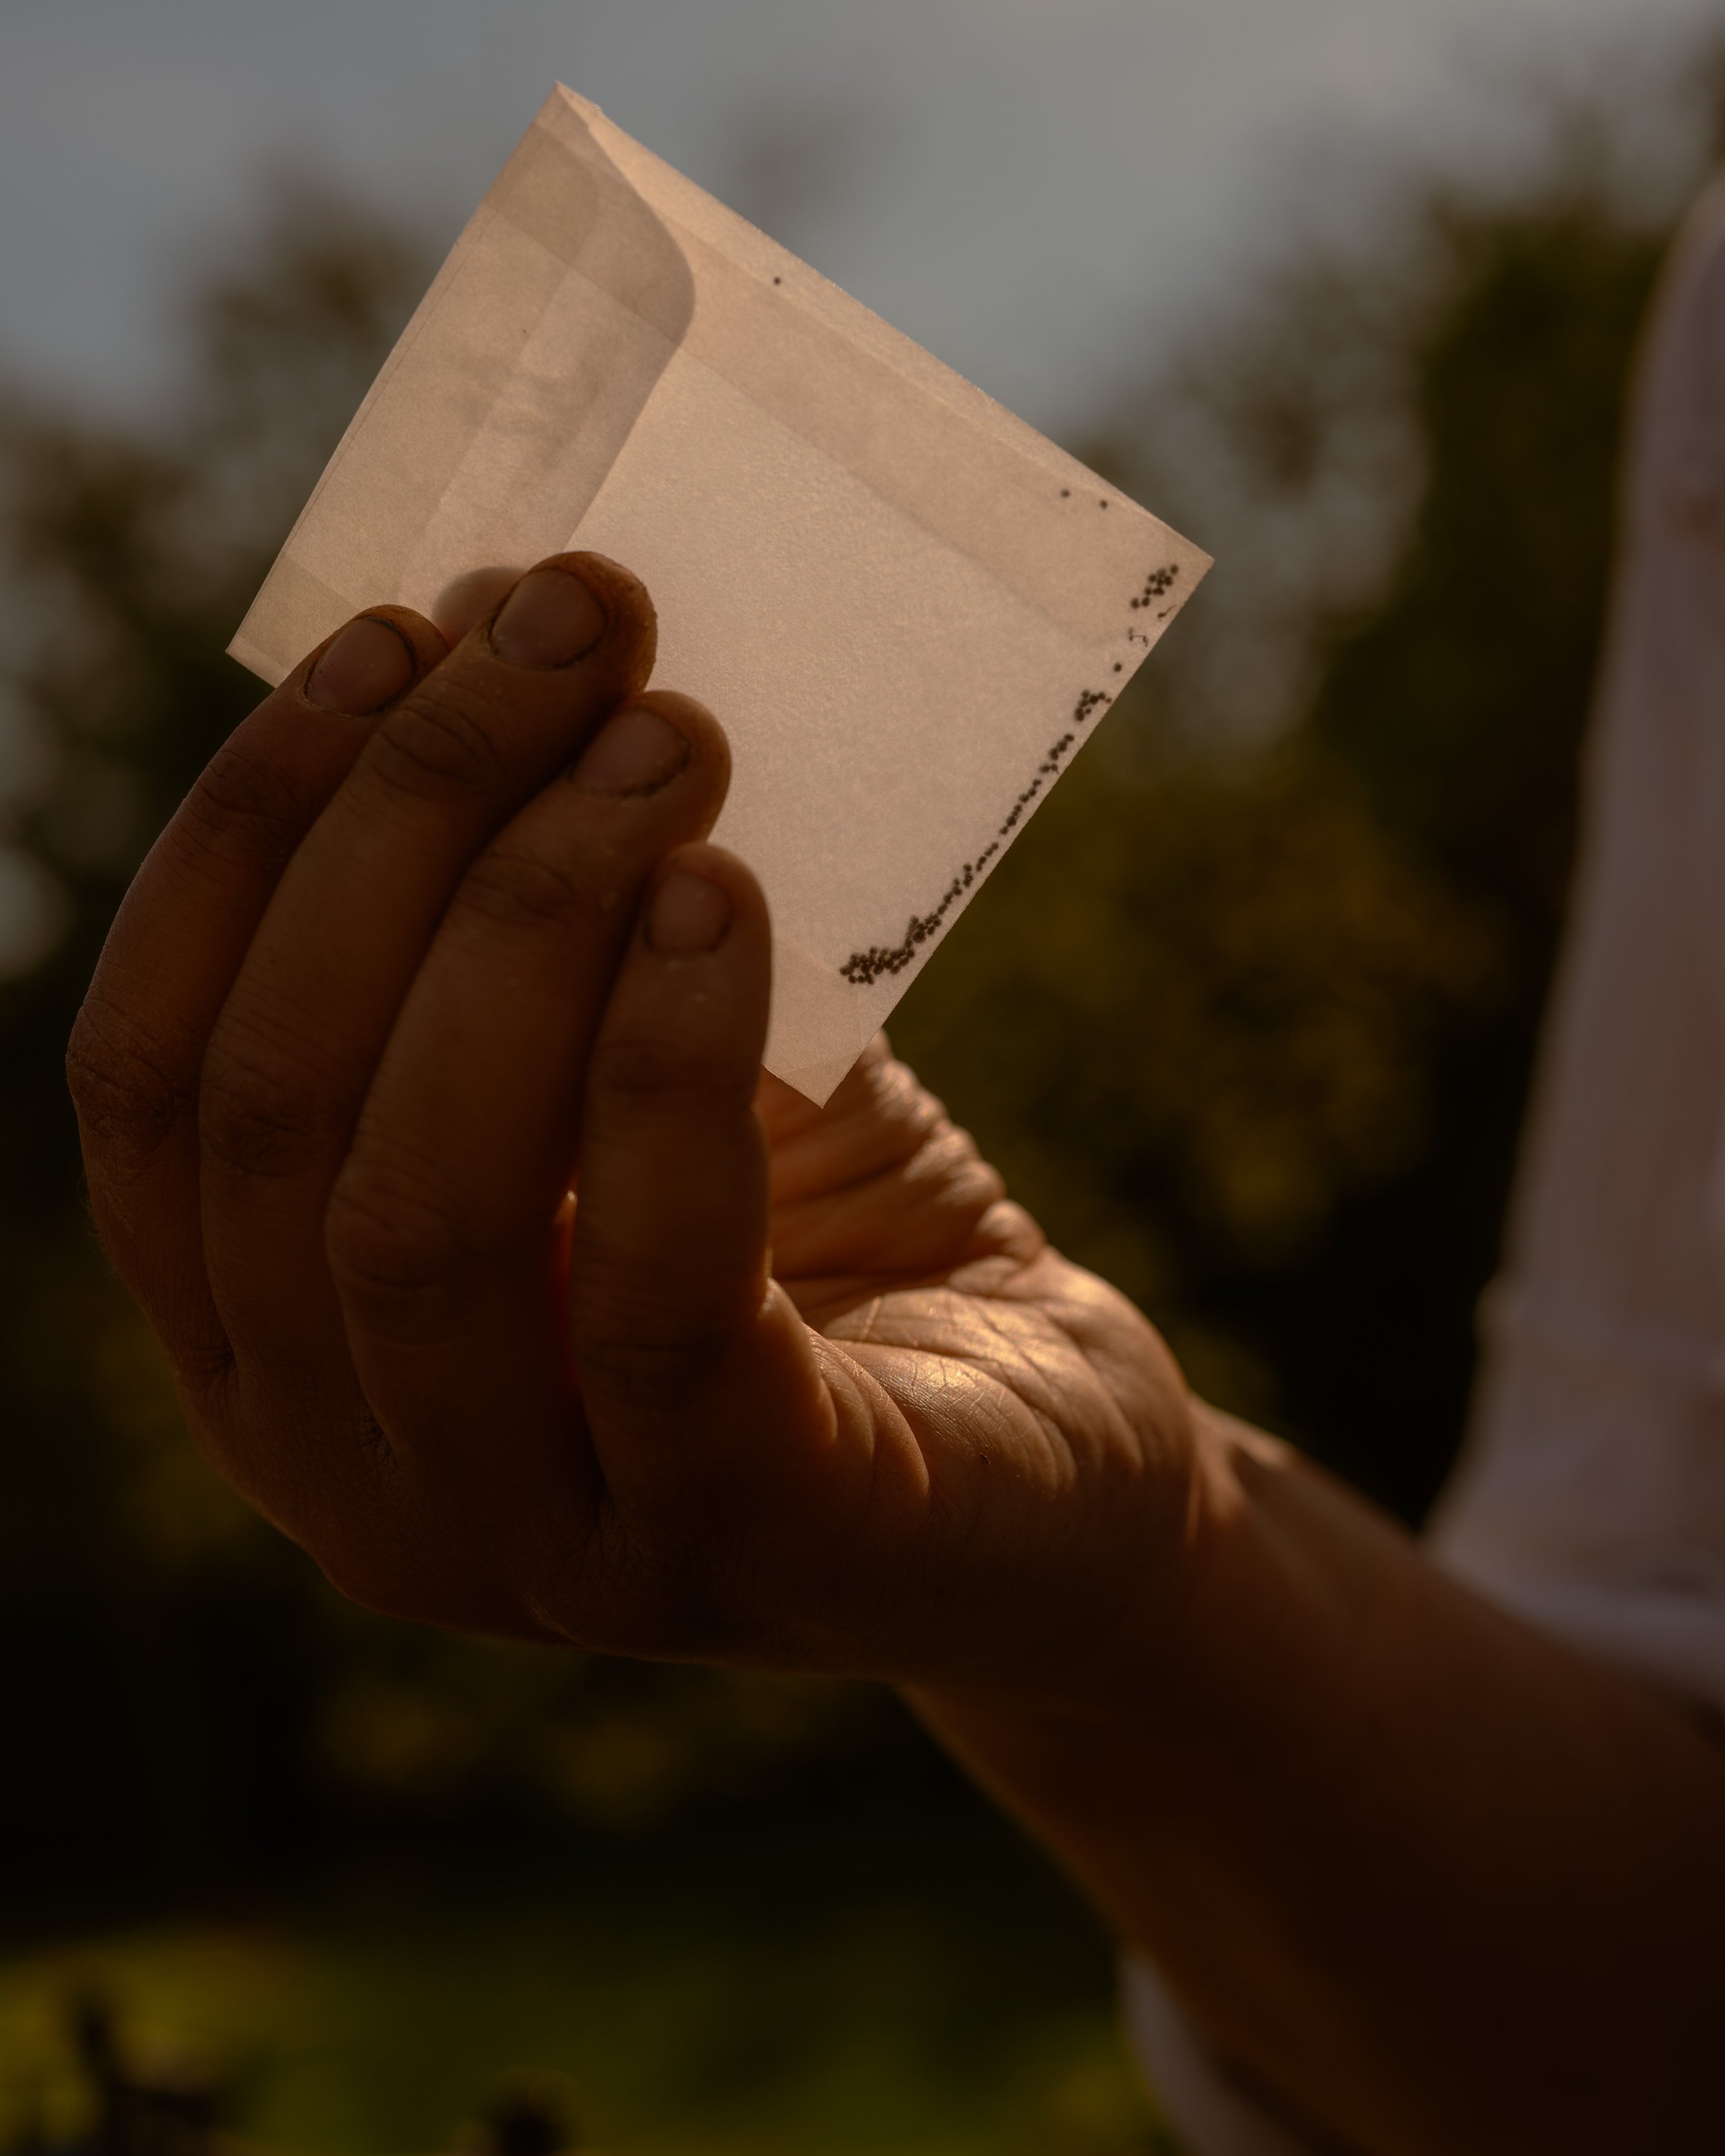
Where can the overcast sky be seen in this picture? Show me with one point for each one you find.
(1028, 186)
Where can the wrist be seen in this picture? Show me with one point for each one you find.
(1153, 1646)
(1144, 1754)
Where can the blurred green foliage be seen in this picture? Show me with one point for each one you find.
(736, 1994)
(1247, 1018)
(155, 1638)
(1249, 1021)
(201, 1705)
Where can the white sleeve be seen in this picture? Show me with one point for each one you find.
(1591, 1498)
(1211, 2110)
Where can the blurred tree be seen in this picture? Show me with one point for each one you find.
(149, 1627)
(1250, 1019)
(1460, 701)
(197, 1700)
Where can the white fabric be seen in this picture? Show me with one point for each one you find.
(1212, 2114)
(1591, 1496)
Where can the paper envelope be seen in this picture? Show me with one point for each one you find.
(906, 608)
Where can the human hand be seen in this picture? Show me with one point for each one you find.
(437, 937)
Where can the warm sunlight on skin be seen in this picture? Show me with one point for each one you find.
(438, 934)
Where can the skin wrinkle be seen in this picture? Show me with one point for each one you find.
(203, 1372)
(948, 1203)
(392, 812)
(970, 1380)
(945, 1496)
(364, 1441)
(898, 1144)
(393, 1254)
(271, 807)
(892, 1116)
(129, 1091)
(893, 1172)
(440, 747)
(1076, 1317)
(824, 1304)
(863, 1408)
(509, 887)
(253, 1037)
(1013, 1356)
(865, 1333)
(376, 1446)
(257, 1133)
(562, 1546)
(1016, 1359)
(386, 1153)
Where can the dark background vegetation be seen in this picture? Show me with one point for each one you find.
(1248, 1018)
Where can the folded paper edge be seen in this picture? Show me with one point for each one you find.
(561, 109)
(808, 995)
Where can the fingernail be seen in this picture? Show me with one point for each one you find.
(367, 666)
(464, 604)
(549, 619)
(689, 914)
(636, 752)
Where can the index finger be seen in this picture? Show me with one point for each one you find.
(177, 944)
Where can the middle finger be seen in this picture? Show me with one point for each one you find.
(292, 1056)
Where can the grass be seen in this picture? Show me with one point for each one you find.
(920, 1984)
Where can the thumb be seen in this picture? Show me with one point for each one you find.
(699, 1381)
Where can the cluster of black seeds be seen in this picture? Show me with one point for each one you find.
(1157, 585)
(864, 966)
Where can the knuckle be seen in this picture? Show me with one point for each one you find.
(633, 1342)
(258, 1113)
(641, 1068)
(247, 806)
(442, 741)
(896, 1094)
(397, 1253)
(509, 889)
(948, 1159)
(203, 1366)
(129, 1086)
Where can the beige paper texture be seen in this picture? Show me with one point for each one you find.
(908, 608)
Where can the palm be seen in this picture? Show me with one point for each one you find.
(1044, 1406)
